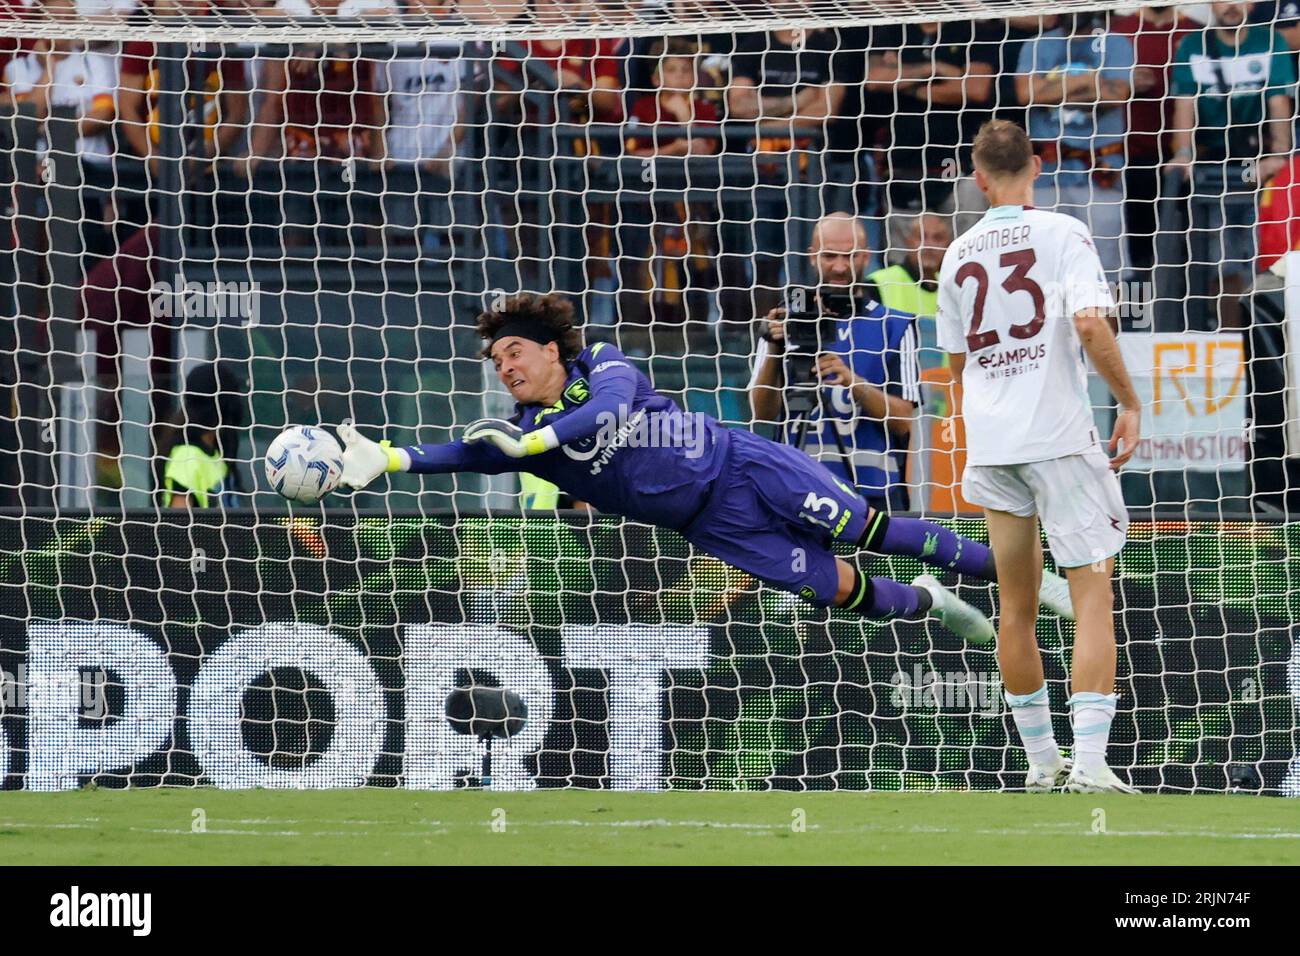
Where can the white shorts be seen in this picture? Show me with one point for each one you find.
(1077, 499)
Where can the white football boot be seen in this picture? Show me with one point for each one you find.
(1044, 778)
(1054, 594)
(1102, 781)
(955, 614)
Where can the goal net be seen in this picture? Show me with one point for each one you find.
(224, 218)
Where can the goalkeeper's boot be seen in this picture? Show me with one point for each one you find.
(955, 614)
(1044, 778)
(1102, 780)
(1054, 594)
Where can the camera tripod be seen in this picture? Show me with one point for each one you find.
(799, 404)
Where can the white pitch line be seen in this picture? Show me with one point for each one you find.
(1211, 834)
(285, 833)
(1074, 829)
(216, 833)
(45, 826)
(646, 824)
(437, 827)
(759, 829)
(255, 821)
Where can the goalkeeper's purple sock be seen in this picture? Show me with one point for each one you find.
(884, 598)
(933, 544)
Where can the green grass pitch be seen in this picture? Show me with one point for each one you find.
(379, 826)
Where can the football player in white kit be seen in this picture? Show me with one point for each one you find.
(1019, 294)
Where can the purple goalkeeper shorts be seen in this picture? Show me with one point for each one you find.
(775, 512)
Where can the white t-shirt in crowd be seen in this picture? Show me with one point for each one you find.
(423, 108)
(106, 8)
(80, 80)
(23, 73)
(85, 9)
(346, 10)
(1008, 293)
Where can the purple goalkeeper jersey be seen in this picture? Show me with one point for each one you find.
(624, 448)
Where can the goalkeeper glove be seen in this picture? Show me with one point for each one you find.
(365, 460)
(512, 440)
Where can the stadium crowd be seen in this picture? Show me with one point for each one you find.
(1163, 123)
(1113, 103)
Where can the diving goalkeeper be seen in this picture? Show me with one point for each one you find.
(586, 420)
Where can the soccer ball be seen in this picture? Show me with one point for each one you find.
(304, 464)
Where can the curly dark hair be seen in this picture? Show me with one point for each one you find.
(553, 311)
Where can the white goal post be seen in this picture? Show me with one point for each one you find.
(224, 218)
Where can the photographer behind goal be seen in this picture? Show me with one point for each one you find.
(840, 378)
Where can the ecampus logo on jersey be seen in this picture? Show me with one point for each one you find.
(1015, 356)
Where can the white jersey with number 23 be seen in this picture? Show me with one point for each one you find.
(1008, 292)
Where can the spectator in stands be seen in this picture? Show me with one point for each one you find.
(117, 294)
(76, 76)
(785, 75)
(712, 76)
(713, 64)
(588, 74)
(608, 91)
(201, 440)
(844, 165)
(252, 8)
(11, 47)
(675, 98)
(317, 104)
(215, 123)
(334, 8)
(911, 284)
(608, 105)
(1009, 36)
(938, 80)
(869, 375)
(78, 80)
(9, 96)
(107, 10)
(216, 116)
(423, 108)
(660, 260)
(1233, 85)
(318, 116)
(782, 80)
(219, 113)
(588, 88)
(1279, 215)
(1155, 33)
(1076, 81)
(1283, 16)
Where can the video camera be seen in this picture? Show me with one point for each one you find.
(808, 333)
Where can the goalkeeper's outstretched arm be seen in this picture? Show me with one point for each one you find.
(491, 446)
(365, 460)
